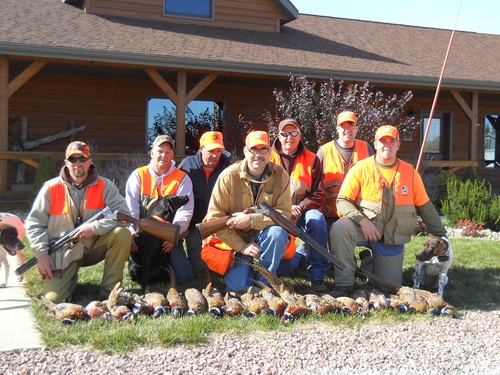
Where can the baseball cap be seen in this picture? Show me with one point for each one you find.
(257, 138)
(162, 139)
(346, 116)
(288, 121)
(212, 140)
(77, 148)
(387, 131)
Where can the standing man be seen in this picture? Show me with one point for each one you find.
(203, 170)
(308, 197)
(379, 202)
(337, 156)
(147, 184)
(62, 204)
(246, 184)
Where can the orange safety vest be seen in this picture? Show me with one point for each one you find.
(302, 173)
(335, 169)
(150, 193)
(59, 198)
(365, 187)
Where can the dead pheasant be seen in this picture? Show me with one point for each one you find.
(178, 303)
(233, 306)
(64, 310)
(197, 303)
(275, 303)
(96, 309)
(254, 302)
(214, 299)
(319, 305)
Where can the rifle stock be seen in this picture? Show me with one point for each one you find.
(54, 246)
(208, 228)
(162, 230)
(295, 231)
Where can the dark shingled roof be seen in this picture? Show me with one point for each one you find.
(316, 46)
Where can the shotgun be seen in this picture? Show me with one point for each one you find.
(54, 246)
(295, 231)
(207, 228)
(155, 227)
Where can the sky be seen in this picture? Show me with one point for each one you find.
(482, 16)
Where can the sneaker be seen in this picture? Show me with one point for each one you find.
(340, 292)
(318, 286)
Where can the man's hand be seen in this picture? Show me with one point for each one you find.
(84, 231)
(296, 212)
(133, 245)
(239, 220)
(370, 231)
(45, 266)
(167, 246)
(251, 249)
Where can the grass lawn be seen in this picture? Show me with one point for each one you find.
(474, 285)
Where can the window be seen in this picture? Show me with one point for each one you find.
(189, 8)
(438, 143)
(201, 115)
(491, 141)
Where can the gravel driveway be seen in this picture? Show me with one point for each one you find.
(441, 345)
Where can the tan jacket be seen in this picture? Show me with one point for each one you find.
(233, 193)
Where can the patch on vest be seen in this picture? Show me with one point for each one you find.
(404, 190)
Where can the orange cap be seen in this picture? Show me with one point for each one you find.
(257, 138)
(77, 148)
(212, 140)
(346, 116)
(387, 131)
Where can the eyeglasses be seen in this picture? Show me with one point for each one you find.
(74, 159)
(261, 151)
(292, 133)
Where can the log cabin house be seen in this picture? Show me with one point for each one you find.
(71, 65)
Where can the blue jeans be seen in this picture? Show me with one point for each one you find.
(181, 265)
(272, 241)
(314, 224)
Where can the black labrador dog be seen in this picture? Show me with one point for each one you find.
(150, 264)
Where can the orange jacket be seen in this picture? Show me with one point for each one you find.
(395, 216)
(150, 193)
(335, 169)
(59, 198)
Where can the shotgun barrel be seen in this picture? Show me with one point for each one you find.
(295, 231)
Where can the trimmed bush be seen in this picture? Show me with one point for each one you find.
(47, 170)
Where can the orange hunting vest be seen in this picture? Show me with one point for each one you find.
(334, 171)
(59, 198)
(302, 173)
(150, 193)
(368, 181)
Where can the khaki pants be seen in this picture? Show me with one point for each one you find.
(113, 248)
(345, 235)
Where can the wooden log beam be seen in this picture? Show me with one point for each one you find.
(198, 89)
(180, 139)
(461, 102)
(4, 118)
(52, 138)
(474, 125)
(163, 85)
(25, 76)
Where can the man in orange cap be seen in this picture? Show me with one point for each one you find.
(308, 197)
(246, 184)
(148, 184)
(62, 204)
(203, 169)
(379, 202)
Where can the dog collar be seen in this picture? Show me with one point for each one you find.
(443, 258)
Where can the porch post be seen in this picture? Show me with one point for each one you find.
(4, 118)
(474, 125)
(180, 139)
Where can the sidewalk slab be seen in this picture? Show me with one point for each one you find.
(17, 323)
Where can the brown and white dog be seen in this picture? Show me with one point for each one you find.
(11, 236)
(432, 264)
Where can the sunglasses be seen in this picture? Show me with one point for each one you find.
(74, 159)
(261, 151)
(292, 133)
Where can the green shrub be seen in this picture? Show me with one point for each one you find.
(47, 170)
(471, 200)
